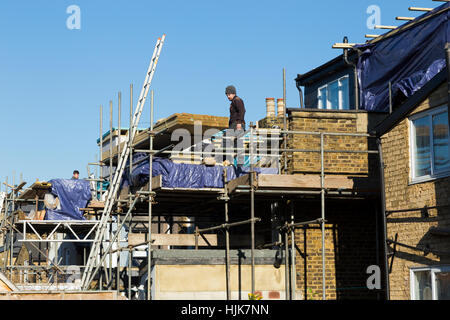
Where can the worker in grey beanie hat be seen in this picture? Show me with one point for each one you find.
(236, 124)
(237, 109)
(230, 90)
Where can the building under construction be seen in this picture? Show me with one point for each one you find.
(293, 208)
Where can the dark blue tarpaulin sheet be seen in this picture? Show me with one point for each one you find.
(73, 195)
(408, 60)
(182, 175)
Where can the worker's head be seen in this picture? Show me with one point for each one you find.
(76, 174)
(230, 91)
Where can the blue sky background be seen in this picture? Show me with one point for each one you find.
(53, 80)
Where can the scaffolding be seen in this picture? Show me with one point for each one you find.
(246, 186)
(249, 187)
(122, 211)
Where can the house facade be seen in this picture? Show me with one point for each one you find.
(415, 147)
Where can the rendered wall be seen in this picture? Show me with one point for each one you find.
(208, 282)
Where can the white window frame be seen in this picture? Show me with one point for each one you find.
(433, 270)
(412, 146)
(340, 94)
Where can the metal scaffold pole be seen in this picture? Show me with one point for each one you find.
(110, 140)
(150, 200)
(5, 232)
(227, 234)
(101, 153)
(284, 121)
(252, 207)
(11, 239)
(322, 206)
(286, 263)
(118, 214)
(293, 271)
(129, 129)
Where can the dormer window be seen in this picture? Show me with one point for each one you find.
(334, 95)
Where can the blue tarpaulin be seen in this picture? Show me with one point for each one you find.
(183, 175)
(73, 195)
(408, 59)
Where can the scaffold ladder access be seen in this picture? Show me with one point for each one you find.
(91, 265)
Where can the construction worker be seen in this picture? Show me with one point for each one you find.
(236, 124)
(75, 175)
(237, 109)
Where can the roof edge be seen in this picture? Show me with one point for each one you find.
(412, 102)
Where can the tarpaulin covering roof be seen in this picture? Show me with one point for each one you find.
(73, 195)
(408, 59)
(182, 175)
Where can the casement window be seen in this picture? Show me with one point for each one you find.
(430, 283)
(334, 95)
(429, 145)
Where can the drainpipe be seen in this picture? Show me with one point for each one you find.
(383, 216)
(300, 93)
(355, 74)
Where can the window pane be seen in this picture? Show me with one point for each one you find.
(422, 285)
(443, 285)
(333, 95)
(440, 142)
(422, 150)
(344, 94)
(322, 98)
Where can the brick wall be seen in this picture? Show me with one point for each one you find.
(330, 121)
(350, 247)
(350, 236)
(270, 122)
(413, 228)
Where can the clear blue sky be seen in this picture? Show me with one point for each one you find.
(52, 79)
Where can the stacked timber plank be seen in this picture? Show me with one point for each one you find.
(176, 121)
(304, 182)
(36, 189)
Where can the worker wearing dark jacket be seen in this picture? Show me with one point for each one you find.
(236, 125)
(237, 109)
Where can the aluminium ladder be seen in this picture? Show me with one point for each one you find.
(92, 266)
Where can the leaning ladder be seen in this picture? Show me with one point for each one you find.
(90, 268)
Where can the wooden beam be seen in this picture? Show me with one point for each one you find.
(306, 181)
(404, 18)
(61, 295)
(156, 184)
(385, 27)
(420, 9)
(163, 239)
(372, 35)
(343, 45)
(241, 181)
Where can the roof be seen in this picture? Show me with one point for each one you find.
(427, 15)
(325, 69)
(412, 102)
(338, 63)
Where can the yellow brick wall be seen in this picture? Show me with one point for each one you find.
(350, 247)
(336, 163)
(413, 227)
(310, 239)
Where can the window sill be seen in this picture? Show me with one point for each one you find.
(429, 178)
